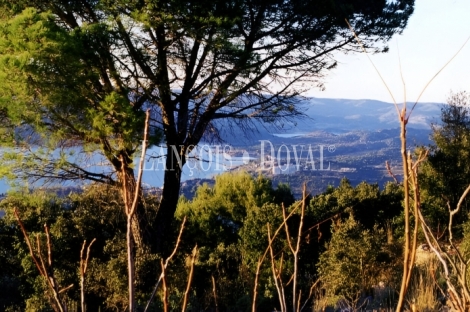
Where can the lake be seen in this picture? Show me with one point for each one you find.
(205, 162)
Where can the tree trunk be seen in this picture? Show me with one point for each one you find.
(171, 188)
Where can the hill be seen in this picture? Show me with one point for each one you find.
(354, 138)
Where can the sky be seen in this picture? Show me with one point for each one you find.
(435, 32)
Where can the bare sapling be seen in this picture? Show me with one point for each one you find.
(410, 241)
(131, 201)
(165, 289)
(164, 265)
(277, 266)
(263, 257)
(295, 250)
(45, 267)
(162, 278)
(190, 279)
(214, 291)
(83, 270)
(276, 269)
(453, 265)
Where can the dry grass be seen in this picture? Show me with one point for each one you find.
(320, 301)
(423, 289)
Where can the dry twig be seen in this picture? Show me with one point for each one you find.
(165, 265)
(190, 279)
(46, 270)
(83, 269)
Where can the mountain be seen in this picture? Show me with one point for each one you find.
(344, 115)
(334, 116)
(354, 138)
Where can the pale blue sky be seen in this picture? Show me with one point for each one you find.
(435, 32)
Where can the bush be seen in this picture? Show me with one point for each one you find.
(355, 260)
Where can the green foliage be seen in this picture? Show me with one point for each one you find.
(50, 97)
(36, 210)
(368, 204)
(11, 282)
(219, 212)
(446, 173)
(355, 260)
(95, 213)
(228, 222)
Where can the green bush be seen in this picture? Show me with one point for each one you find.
(355, 261)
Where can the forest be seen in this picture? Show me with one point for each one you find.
(243, 244)
(113, 78)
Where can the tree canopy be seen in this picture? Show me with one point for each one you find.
(445, 175)
(82, 73)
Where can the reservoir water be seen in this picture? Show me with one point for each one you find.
(204, 163)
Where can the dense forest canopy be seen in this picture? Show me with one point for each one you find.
(228, 222)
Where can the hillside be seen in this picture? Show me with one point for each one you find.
(357, 138)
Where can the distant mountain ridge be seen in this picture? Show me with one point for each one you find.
(335, 116)
(358, 136)
(346, 115)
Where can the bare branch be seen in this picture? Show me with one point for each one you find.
(165, 290)
(378, 72)
(166, 265)
(214, 291)
(261, 258)
(190, 279)
(438, 72)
